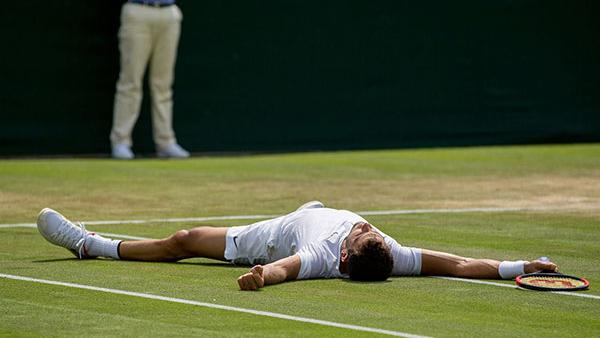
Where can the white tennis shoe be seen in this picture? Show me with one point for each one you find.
(311, 205)
(122, 151)
(58, 230)
(173, 150)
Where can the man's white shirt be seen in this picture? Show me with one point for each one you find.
(320, 256)
(316, 236)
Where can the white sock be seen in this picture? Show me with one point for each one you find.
(97, 245)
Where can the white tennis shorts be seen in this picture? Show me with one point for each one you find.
(254, 244)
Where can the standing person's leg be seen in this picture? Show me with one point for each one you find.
(161, 76)
(206, 242)
(135, 45)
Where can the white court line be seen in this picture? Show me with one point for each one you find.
(514, 286)
(153, 220)
(367, 213)
(477, 281)
(216, 306)
(253, 217)
(473, 281)
(446, 210)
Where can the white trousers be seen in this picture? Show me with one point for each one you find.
(148, 36)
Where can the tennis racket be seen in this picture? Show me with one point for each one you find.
(551, 281)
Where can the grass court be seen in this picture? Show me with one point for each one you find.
(538, 200)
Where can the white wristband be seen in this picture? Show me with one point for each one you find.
(510, 269)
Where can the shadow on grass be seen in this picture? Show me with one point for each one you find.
(347, 280)
(222, 264)
(56, 260)
(208, 264)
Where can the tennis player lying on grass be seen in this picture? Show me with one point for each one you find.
(311, 242)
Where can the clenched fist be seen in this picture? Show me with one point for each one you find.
(252, 280)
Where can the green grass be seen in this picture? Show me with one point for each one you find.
(565, 179)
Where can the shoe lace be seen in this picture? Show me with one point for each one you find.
(69, 233)
(80, 244)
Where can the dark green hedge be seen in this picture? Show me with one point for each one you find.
(305, 75)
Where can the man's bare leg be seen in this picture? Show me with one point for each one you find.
(206, 242)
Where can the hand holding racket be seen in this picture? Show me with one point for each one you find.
(542, 264)
(548, 278)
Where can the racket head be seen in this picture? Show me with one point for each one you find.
(543, 281)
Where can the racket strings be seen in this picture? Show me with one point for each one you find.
(553, 281)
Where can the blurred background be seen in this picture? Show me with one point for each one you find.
(311, 75)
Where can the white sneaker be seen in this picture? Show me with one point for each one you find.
(173, 150)
(311, 205)
(58, 230)
(122, 151)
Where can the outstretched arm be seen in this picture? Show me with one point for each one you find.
(435, 263)
(273, 273)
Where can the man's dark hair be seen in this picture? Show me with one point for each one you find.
(371, 262)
